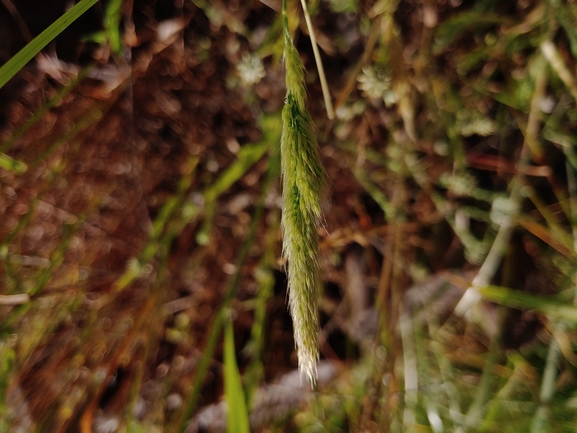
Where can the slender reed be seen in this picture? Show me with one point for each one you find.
(320, 68)
(303, 181)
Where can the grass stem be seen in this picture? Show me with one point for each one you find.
(319, 62)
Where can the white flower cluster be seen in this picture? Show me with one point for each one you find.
(459, 184)
(377, 85)
(503, 210)
(474, 123)
(250, 69)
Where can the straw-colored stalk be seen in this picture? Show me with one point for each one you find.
(303, 182)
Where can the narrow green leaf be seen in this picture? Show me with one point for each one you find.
(12, 164)
(16, 63)
(218, 323)
(513, 298)
(57, 99)
(111, 32)
(247, 157)
(112, 19)
(237, 415)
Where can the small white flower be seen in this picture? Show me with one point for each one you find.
(460, 185)
(375, 84)
(483, 126)
(503, 210)
(471, 123)
(250, 69)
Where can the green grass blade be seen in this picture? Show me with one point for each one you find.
(112, 19)
(218, 322)
(57, 99)
(517, 299)
(16, 63)
(200, 373)
(111, 33)
(265, 279)
(12, 164)
(247, 157)
(237, 415)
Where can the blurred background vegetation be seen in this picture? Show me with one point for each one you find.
(141, 285)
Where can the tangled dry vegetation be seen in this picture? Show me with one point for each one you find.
(140, 197)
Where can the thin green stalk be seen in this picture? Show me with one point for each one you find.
(381, 199)
(534, 120)
(410, 370)
(112, 18)
(493, 259)
(550, 373)
(540, 421)
(161, 235)
(431, 396)
(246, 158)
(557, 63)
(219, 321)
(57, 99)
(551, 307)
(476, 409)
(319, 62)
(506, 393)
(237, 412)
(16, 63)
(88, 120)
(572, 189)
(554, 226)
(202, 369)
(474, 248)
(85, 122)
(303, 181)
(265, 279)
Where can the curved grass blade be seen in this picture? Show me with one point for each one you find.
(16, 63)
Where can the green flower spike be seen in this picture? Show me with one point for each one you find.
(303, 181)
